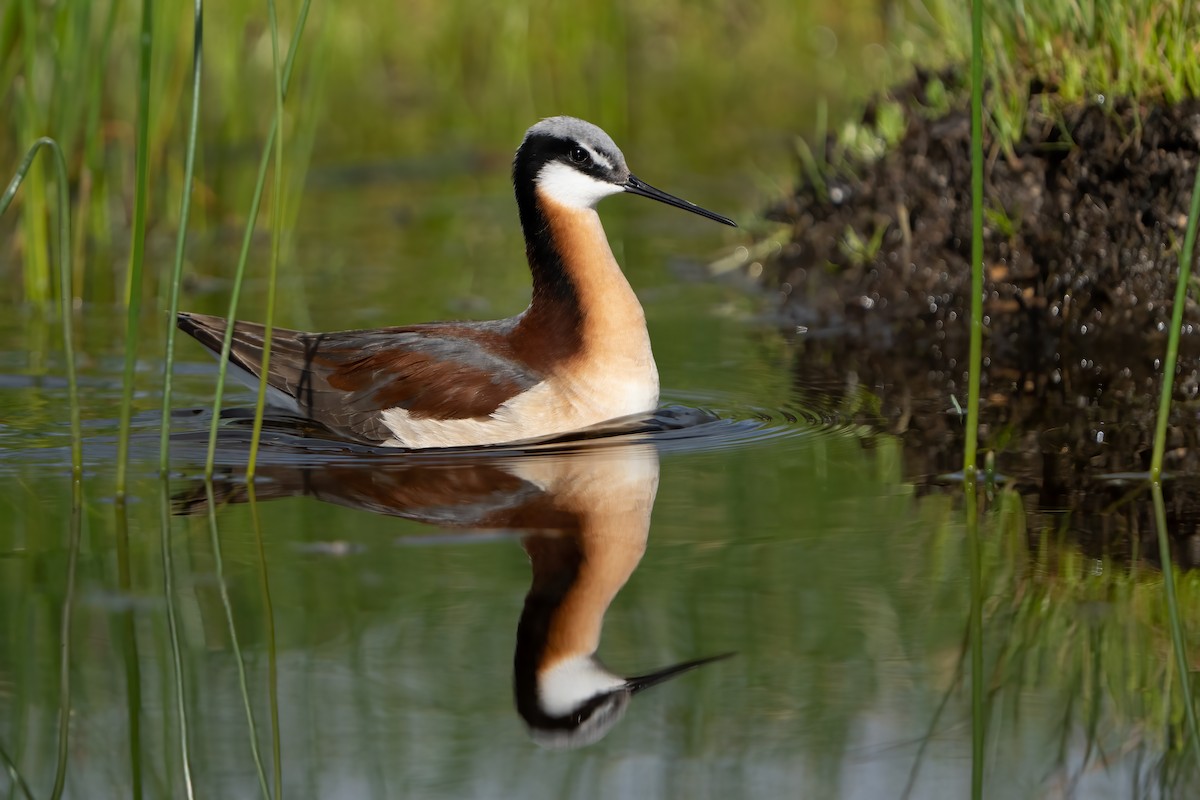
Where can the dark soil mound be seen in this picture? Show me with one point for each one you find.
(1085, 220)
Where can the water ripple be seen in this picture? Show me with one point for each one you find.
(694, 422)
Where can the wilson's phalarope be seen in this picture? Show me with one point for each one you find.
(578, 355)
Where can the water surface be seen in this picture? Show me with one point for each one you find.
(377, 623)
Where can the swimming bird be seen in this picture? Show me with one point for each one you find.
(578, 355)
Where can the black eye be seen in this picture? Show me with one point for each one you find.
(579, 155)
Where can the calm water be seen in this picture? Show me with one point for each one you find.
(375, 604)
(360, 624)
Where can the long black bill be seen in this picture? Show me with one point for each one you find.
(635, 186)
(641, 682)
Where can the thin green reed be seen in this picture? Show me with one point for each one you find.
(133, 281)
(243, 256)
(1179, 643)
(94, 222)
(66, 292)
(66, 295)
(37, 261)
(223, 588)
(181, 238)
(276, 232)
(970, 471)
(1181, 284)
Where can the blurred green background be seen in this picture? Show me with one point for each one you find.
(716, 91)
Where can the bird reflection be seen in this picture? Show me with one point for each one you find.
(584, 518)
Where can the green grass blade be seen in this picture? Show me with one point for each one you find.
(65, 280)
(1156, 463)
(1177, 638)
(243, 256)
(133, 280)
(181, 238)
(970, 471)
(67, 313)
(223, 588)
(1168, 384)
(276, 232)
(94, 221)
(168, 570)
(969, 455)
(37, 261)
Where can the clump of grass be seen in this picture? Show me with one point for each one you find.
(1061, 51)
(1144, 49)
(861, 250)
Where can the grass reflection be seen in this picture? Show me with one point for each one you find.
(1088, 636)
(269, 622)
(177, 672)
(223, 588)
(130, 653)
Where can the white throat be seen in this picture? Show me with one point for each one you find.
(571, 188)
(570, 683)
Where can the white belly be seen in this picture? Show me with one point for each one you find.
(554, 406)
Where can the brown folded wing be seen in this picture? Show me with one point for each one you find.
(346, 380)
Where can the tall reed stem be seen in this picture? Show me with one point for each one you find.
(276, 232)
(66, 293)
(181, 239)
(67, 312)
(133, 282)
(970, 470)
(1179, 643)
(243, 257)
(1168, 382)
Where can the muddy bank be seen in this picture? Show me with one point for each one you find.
(1085, 218)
